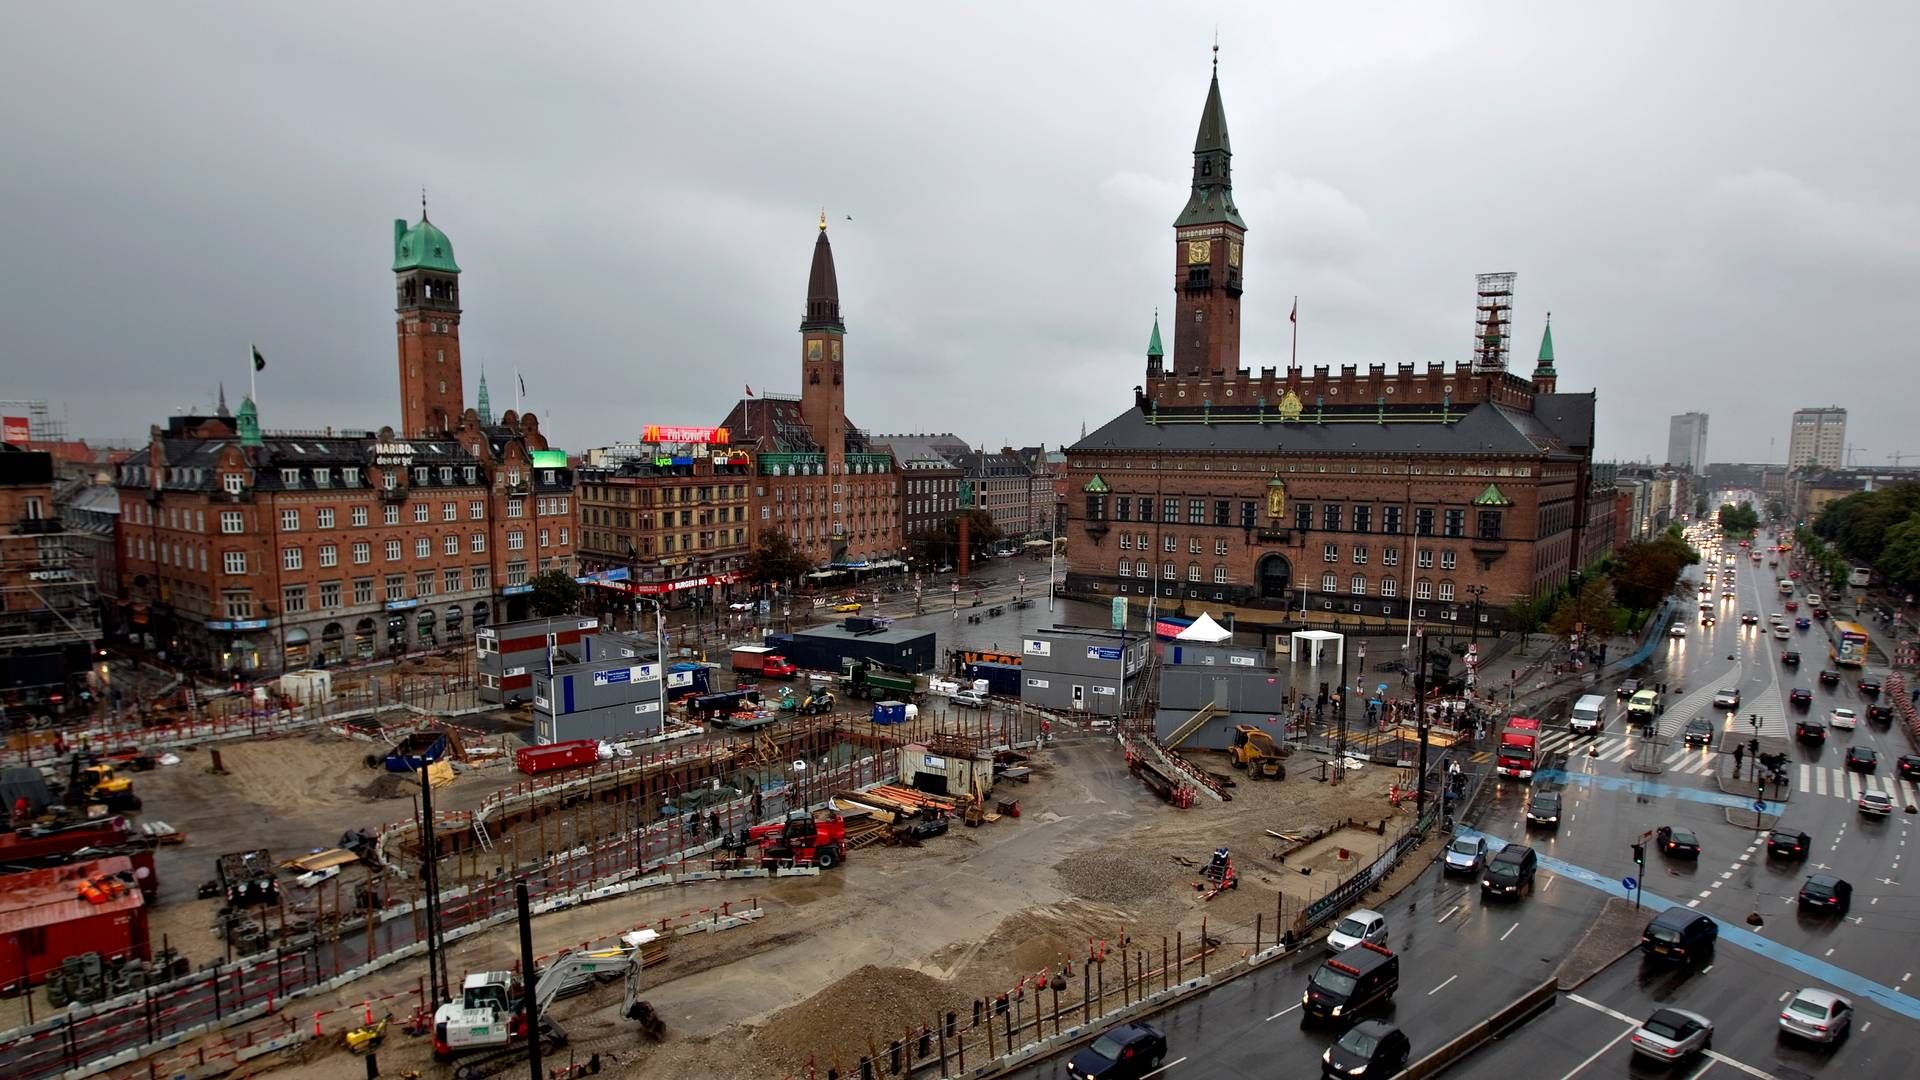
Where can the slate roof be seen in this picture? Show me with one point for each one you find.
(1483, 429)
(775, 425)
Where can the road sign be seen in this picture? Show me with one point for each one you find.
(1759, 806)
(1628, 884)
(956, 587)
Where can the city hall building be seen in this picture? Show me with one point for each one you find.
(1444, 492)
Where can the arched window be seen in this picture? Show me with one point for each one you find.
(1126, 568)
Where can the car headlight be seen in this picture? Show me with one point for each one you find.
(1357, 1070)
(1336, 1010)
(1327, 1055)
(1306, 999)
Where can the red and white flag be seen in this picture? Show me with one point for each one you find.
(749, 389)
(1294, 315)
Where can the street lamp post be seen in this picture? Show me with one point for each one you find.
(1420, 717)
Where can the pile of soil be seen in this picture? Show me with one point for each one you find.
(856, 1016)
(1126, 878)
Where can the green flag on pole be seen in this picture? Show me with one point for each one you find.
(259, 362)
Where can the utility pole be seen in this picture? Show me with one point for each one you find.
(437, 977)
(1420, 717)
(1340, 745)
(528, 1005)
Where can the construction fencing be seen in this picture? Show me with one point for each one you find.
(87, 1039)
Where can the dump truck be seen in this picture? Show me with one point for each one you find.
(870, 682)
(1255, 751)
(761, 660)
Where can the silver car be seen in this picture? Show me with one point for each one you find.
(1466, 855)
(1817, 1015)
(1362, 925)
(1672, 1034)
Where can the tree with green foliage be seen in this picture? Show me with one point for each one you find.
(1591, 607)
(775, 560)
(1776, 510)
(1646, 572)
(554, 593)
(1740, 520)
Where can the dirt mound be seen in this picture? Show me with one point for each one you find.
(856, 1016)
(1126, 878)
(386, 785)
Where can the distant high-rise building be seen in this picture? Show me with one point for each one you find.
(1818, 438)
(1687, 441)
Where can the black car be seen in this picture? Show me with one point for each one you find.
(1810, 731)
(1748, 618)
(1829, 677)
(1679, 843)
(1788, 844)
(1820, 613)
(1543, 809)
(1790, 658)
(1881, 713)
(1127, 1052)
(1627, 688)
(1509, 872)
(1870, 686)
(1826, 893)
(1699, 732)
(1350, 983)
(1910, 766)
(1800, 695)
(1679, 935)
(1863, 759)
(1369, 1048)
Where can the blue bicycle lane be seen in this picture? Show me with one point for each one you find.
(1812, 966)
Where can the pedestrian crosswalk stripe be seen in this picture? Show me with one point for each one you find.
(1820, 781)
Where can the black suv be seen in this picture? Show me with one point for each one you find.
(1509, 872)
(1788, 844)
(1679, 935)
(1810, 731)
(1127, 1052)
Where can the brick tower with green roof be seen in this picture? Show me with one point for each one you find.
(1209, 252)
(1545, 378)
(427, 325)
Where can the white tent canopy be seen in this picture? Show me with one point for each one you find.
(1204, 629)
(1309, 643)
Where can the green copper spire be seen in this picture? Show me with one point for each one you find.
(1212, 199)
(247, 423)
(1153, 343)
(1545, 364)
(486, 404)
(422, 246)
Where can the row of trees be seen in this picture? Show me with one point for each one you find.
(1739, 520)
(1878, 528)
(1614, 594)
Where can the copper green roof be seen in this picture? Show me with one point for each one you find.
(1211, 201)
(1096, 486)
(1545, 365)
(1153, 343)
(1492, 497)
(422, 247)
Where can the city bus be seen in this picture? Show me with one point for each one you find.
(1849, 643)
(1859, 576)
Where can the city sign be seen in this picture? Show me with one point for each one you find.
(16, 430)
(668, 433)
(237, 624)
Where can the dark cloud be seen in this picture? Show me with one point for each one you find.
(1715, 202)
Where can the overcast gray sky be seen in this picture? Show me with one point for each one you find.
(1717, 202)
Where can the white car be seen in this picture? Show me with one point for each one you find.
(1817, 1015)
(1813, 599)
(1363, 925)
(1843, 717)
(1780, 631)
(1726, 698)
(741, 605)
(1677, 631)
(1876, 803)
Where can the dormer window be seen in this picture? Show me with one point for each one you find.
(470, 474)
(290, 477)
(233, 483)
(420, 475)
(446, 474)
(350, 476)
(389, 481)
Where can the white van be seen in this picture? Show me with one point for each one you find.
(1589, 715)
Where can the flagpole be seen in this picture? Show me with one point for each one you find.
(253, 392)
(518, 382)
(1295, 320)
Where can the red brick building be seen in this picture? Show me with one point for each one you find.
(818, 478)
(248, 550)
(49, 621)
(1427, 490)
(673, 512)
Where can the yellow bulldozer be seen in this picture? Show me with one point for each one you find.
(1255, 751)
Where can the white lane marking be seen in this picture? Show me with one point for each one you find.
(1819, 781)
(1165, 1067)
(1510, 930)
(1451, 912)
(1595, 1056)
(1283, 1012)
(1442, 986)
(1741, 1065)
(1705, 1064)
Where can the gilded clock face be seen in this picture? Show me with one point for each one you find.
(1199, 251)
(813, 349)
(1233, 253)
(836, 352)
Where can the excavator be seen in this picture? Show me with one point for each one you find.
(1255, 751)
(488, 1015)
(96, 782)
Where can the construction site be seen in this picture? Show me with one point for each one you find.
(776, 902)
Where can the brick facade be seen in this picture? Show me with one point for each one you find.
(678, 520)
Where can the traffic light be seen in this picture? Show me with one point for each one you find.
(1639, 854)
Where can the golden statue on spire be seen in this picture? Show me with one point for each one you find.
(823, 219)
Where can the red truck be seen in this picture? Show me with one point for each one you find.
(818, 839)
(761, 660)
(1519, 745)
(545, 758)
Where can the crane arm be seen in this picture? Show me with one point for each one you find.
(570, 966)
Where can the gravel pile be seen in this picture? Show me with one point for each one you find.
(1122, 878)
(870, 1006)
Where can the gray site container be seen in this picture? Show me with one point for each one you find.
(1080, 669)
(1242, 682)
(612, 699)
